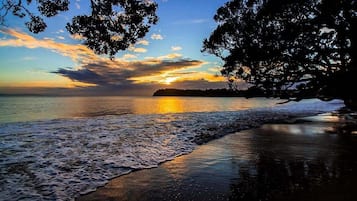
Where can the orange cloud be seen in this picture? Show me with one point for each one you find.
(170, 56)
(129, 56)
(77, 37)
(143, 42)
(139, 50)
(169, 77)
(75, 52)
(95, 70)
(58, 83)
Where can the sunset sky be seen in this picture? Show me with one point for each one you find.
(54, 62)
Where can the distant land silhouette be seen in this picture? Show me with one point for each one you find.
(248, 93)
(210, 93)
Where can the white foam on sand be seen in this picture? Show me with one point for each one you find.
(60, 159)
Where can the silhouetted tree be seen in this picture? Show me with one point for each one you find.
(308, 45)
(110, 27)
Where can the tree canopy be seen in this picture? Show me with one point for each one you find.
(305, 45)
(110, 27)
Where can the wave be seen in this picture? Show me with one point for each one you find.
(60, 159)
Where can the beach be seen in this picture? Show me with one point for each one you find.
(168, 100)
(311, 158)
(70, 155)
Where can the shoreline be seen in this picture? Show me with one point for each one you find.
(305, 151)
(61, 159)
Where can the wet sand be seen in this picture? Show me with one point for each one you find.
(311, 159)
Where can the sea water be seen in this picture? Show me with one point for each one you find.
(55, 148)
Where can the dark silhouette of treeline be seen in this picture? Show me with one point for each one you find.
(210, 92)
(248, 93)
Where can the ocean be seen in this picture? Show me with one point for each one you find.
(56, 148)
(20, 109)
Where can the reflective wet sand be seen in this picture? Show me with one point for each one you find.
(314, 160)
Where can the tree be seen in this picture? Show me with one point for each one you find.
(307, 47)
(111, 26)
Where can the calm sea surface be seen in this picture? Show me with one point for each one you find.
(20, 109)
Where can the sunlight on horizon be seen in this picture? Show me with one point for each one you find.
(169, 80)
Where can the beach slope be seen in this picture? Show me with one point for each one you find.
(310, 159)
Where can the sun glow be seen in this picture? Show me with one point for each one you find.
(169, 80)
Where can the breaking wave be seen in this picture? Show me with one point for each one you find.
(63, 158)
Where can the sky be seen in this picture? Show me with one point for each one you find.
(56, 63)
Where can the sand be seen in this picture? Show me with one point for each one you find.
(310, 159)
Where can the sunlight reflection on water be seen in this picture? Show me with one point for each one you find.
(19, 109)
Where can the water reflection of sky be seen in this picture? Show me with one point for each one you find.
(275, 162)
(15, 109)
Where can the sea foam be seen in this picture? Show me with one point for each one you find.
(63, 158)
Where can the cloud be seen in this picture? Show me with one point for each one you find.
(82, 75)
(143, 42)
(48, 38)
(94, 70)
(77, 6)
(60, 31)
(116, 38)
(77, 37)
(156, 37)
(170, 56)
(176, 48)
(60, 37)
(192, 21)
(139, 50)
(129, 56)
(132, 48)
(178, 75)
(78, 53)
(215, 69)
(106, 73)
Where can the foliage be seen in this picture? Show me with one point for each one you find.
(110, 27)
(305, 45)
